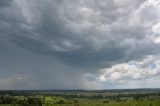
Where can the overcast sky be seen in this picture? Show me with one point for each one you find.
(79, 44)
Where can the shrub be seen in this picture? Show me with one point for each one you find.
(60, 102)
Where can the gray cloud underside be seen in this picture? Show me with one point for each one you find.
(83, 33)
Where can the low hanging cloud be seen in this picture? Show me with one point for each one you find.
(11, 83)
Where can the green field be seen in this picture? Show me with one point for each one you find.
(81, 98)
(97, 103)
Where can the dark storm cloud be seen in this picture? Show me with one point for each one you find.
(81, 58)
(75, 36)
(80, 36)
(4, 3)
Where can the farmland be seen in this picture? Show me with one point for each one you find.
(127, 97)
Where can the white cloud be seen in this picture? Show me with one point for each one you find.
(156, 28)
(134, 70)
(156, 33)
(153, 2)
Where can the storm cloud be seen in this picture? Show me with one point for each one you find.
(64, 44)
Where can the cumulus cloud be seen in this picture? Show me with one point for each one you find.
(133, 71)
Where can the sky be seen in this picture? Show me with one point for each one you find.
(79, 44)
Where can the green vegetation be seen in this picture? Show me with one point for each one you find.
(81, 98)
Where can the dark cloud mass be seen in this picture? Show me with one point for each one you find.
(5, 3)
(53, 41)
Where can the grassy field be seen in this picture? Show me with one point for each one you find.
(81, 98)
(101, 102)
(95, 103)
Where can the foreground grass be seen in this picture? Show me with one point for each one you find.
(99, 103)
(127, 103)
